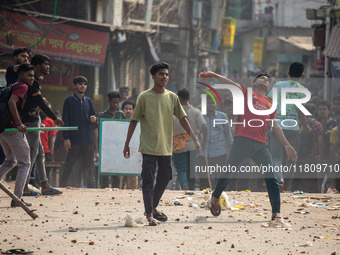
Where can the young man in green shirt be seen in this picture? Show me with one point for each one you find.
(155, 109)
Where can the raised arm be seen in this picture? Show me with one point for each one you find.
(218, 77)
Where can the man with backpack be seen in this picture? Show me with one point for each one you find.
(15, 144)
(20, 56)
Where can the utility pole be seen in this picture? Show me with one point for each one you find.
(148, 15)
(183, 47)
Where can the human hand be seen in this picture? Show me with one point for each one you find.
(22, 128)
(126, 151)
(67, 144)
(96, 157)
(198, 147)
(59, 122)
(93, 118)
(291, 152)
(206, 74)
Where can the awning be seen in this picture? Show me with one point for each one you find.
(332, 49)
(63, 42)
(301, 42)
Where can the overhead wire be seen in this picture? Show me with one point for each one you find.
(43, 37)
(26, 3)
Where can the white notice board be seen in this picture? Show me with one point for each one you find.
(111, 145)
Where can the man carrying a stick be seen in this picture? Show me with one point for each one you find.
(15, 144)
(31, 118)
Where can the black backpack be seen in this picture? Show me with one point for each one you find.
(305, 147)
(5, 115)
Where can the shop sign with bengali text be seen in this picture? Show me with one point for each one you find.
(67, 43)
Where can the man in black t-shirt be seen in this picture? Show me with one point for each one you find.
(20, 56)
(31, 118)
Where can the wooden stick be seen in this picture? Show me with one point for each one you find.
(18, 201)
(207, 164)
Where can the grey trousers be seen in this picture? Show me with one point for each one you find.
(17, 151)
(37, 154)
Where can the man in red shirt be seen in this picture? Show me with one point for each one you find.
(14, 144)
(250, 141)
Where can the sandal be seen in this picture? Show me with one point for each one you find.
(32, 193)
(214, 211)
(152, 221)
(160, 216)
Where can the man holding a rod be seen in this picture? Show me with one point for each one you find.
(30, 117)
(14, 144)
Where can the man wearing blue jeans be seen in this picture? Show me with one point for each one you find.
(250, 141)
(184, 154)
(290, 129)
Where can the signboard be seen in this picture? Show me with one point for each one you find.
(258, 51)
(264, 10)
(64, 42)
(111, 145)
(228, 34)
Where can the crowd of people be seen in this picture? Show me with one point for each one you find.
(173, 133)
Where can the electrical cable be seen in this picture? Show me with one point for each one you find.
(43, 37)
(48, 29)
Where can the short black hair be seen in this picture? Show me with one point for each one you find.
(128, 102)
(325, 103)
(113, 94)
(296, 69)
(260, 75)
(38, 59)
(310, 107)
(156, 67)
(25, 67)
(20, 50)
(79, 79)
(183, 94)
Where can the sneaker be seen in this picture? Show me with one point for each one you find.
(276, 223)
(14, 204)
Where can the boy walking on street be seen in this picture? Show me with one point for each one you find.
(155, 109)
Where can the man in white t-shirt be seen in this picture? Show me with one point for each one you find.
(291, 132)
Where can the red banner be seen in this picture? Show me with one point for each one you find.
(64, 42)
